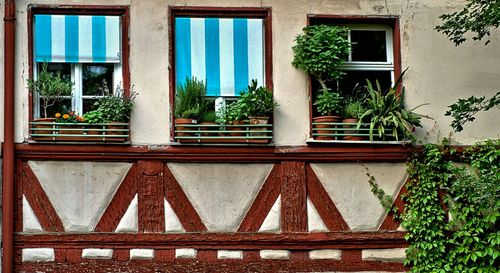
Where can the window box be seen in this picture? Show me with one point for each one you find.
(51, 131)
(348, 132)
(215, 133)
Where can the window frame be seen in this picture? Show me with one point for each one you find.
(227, 12)
(118, 10)
(360, 21)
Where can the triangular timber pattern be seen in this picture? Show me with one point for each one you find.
(40, 203)
(323, 203)
(389, 222)
(153, 183)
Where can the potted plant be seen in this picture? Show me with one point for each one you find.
(208, 119)
(328, 104)
(190, 103)
(113, 110)
(320, 50)
(257, 103)
(387, 116)
(353, 110)
(232, 114)
(69, 126)
(50, 88)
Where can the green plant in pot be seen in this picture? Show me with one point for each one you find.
(50, 87)
(320, 51)
(257, 103)
(190, 104)
(232, 114)
(386, 114)
(208, 118)
(353, 110)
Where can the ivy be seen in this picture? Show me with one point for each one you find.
(465, 237)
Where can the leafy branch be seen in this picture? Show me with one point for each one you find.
(464, 110)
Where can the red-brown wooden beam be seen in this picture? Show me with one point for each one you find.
(244, 241)
(39, 201)
(293, 197)
(187, 215)
(323, 203)
(150, 193)
(390, 223)
(343, 153)
(120, 202)
(263, 202)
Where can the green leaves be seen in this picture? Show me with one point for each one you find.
(257, 101)
(320, 50)
(190, 99)
(478, 17)
(463, 110)
(328, 102)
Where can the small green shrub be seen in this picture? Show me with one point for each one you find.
(190, 101)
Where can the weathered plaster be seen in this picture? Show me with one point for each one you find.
(347, 185)
(277, 254)
(272, 221)
(38, 255)
(142, 254)
(129, 221)
(172, 223)
(221, 193)
(321, 254)
(439, 73)
(314, 221)
(30, 221)
(79, 191)
(186, 253)
(229, 254)
(97, 253)
(386, 255)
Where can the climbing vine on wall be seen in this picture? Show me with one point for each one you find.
(452, 212)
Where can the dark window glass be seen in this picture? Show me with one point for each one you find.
(63, 106)
(97, 78)
(63, 68)
(355, 80)
(368, 46)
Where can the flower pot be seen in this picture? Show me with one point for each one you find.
(50, 128)
(236, 122)
(69, 129)
(256, 121)
(325, 119)
(204, 129)
(351, 126)
(114, 126)
(179, 129)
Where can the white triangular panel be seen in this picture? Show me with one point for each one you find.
(79, 191)
(273, 219)
(314, 221)
(221, 193)
(172, 223)
(30, 221)
(130, 220)
(347, 184)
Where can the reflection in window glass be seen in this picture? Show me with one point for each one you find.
(96, 78)
(368, 46)
(63, 68)
(357, 79)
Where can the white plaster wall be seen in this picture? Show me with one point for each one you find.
(439, 73)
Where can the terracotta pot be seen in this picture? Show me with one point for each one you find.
(256, 121)
(351, 126)
(208, 128)
(325, 119)
(236, 122)
(73, 131)
(179, 129)
(41, 126)
(114, 125)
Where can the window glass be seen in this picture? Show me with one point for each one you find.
(368, 45)
(96, 78)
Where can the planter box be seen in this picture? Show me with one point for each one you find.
(220, 134)
(350, 133)
(43, 131)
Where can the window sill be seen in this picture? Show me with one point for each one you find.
(360, 142)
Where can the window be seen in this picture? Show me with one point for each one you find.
(84, 48)
(226, 48)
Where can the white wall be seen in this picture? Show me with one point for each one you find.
(439, 73)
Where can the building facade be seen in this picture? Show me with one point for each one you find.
(158, 203)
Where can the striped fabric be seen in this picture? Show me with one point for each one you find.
(77, 38)
(227, 53)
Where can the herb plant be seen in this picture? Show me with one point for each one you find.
(190, 99)
(328, 102)
(51, 88)
(257, 101)
(112, 108)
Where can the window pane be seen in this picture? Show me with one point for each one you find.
(368, 46)
(357, 80)
(63, 68)
(63, 106)
(96, 78)
(88, 105)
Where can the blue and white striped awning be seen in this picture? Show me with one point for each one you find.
(77, 38)
(228, 53)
